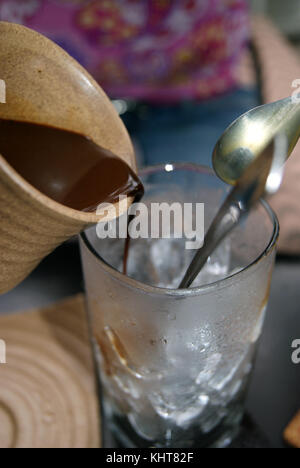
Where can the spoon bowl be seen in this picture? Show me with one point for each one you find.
(247, 136)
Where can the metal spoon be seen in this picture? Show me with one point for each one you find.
(245, 138)
(263, 177)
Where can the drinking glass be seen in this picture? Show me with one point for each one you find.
(174, 365)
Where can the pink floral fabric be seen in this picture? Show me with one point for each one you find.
(160, 50)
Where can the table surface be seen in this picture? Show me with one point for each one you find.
(273, 398)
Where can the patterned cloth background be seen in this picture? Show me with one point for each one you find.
(160, 50)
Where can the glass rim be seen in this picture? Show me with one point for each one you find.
(193, 291)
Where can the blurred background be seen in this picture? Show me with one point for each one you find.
(286, 15)
(179, 72)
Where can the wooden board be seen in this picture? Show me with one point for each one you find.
(47, 386)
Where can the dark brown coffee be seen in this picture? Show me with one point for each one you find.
(66, 166)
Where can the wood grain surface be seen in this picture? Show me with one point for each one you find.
(47, 387)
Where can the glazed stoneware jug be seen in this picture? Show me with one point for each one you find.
(44, 85)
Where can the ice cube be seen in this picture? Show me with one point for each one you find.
(210, 368)
(185, 418)
(147, 428)
(217, 266)
(179, 404)
(156, 261)
(212, 418)
(232, 367)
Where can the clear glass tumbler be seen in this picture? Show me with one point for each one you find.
(174, 365)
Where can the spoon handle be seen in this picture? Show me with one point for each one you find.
(251, 186)
(227, 218)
